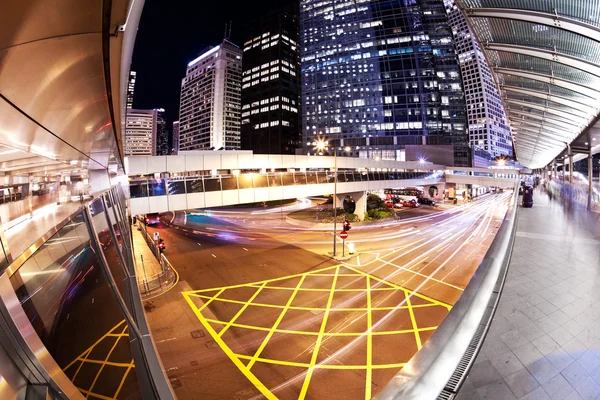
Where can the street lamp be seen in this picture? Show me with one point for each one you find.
(320, 145)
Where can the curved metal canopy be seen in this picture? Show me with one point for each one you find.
(546, 59)
(61, 83)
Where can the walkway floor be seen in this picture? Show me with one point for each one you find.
(146, 264)
(544, 342)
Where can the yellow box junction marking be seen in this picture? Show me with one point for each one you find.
(200, 300)
(119, 331)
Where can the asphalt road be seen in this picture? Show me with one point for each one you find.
(260, 311)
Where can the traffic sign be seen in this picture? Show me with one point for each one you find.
(343, 234)
(156, 236)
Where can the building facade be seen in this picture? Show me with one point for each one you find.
(486, 118)
(175, 146)
(210, 102)
(271, 86)
(380, 75)
(130, 88)
(140, 132)
(162, 133)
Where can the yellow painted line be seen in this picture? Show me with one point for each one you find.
(246, 304)
(276, 324)
(413, 320)
(369, 371)
(314, 308)
(88, 393)
(251, 377)
(211, 300)
(111, 363)
(352, 275)
(123, 380)
(317, 347)
(268, 280)
(105, 362)
(174, 284)
(322, 290)
(321, 366)
(84, 355)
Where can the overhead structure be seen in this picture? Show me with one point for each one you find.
(546, 60)
(63, 67)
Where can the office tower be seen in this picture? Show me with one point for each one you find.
(175, 147)
(271, 86)
(130, 89)
(487, 124)
(162, 133)
(209, 112)
(379, 76)
(140, 132)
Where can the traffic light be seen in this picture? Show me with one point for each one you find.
(347, 226)
(161, 245)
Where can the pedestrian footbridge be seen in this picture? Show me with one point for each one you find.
(213, 179)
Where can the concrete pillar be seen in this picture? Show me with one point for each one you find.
(360, 199)
(99, 180)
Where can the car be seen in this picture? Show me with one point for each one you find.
(426, 201)
(152, 219)
(389, 203)
(398, 205)
(410, 203)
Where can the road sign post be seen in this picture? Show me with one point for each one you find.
(343, 235)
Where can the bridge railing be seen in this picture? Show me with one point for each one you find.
(440, 367)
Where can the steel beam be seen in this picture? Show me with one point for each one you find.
(551, 110)
(557, 121)
(543, 127)
(566, 84)
(537, 17)
(582, 107)
(550, 55)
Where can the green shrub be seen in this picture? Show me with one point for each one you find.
(374, 202)
(380, 213)
(352, 217)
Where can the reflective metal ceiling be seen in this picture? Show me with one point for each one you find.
(546, 58)
(60, 83)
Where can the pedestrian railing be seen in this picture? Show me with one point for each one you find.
(153, 284)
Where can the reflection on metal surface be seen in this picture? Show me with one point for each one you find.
(429, 371)
(5, 255)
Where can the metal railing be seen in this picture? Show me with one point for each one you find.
(155, 283)
(440, 367)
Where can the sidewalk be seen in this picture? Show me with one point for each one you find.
(146, 264)
(544, 341)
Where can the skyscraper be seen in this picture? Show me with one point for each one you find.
(271, 86)
(209, 112)
(379, 76)
(175, 146)
(162, 133)
(487, 124)
(130, 89)
(140, 132)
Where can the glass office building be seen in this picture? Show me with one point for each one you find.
(379, 76)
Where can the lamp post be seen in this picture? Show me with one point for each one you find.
(321, 145)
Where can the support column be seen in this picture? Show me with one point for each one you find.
(590, 178)
(570, 166)
(360, 200)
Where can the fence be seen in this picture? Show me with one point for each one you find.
(155, 283)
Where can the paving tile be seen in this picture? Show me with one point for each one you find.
(542, 370)
(574, 374)
(545, 344)
(494, 347)
(573, 327)
(573, 396)
(531, 331)
(513, 339)
(546, 307)
(560, 359)
(588, 389)
(589, 361)
(527, 354)
(521, 382)
(558, 388)
(575, 348)
(584, 319)
(595, 374)
(467, 391)
(533, 313)
(559, 317)
(560, 336)
(484, 374)
(572, 309)
(507, 364)
(546, 324)
(537, 394)
(588, 338)
(498, 390)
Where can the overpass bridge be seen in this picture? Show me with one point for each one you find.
(223, 178)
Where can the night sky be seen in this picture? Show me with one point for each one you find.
(174, 32)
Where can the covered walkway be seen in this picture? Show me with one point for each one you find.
(544, 342)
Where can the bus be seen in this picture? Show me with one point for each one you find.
(405, 194)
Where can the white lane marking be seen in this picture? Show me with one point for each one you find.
(172, 368)
(199, 244)
(166, 340)
(214, 256)
(245, 248)
(92, 300)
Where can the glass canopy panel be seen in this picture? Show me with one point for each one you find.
(542, 87)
